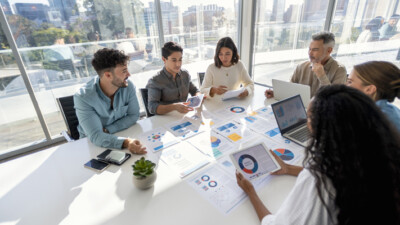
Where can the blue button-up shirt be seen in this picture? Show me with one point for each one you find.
(391, 111)
(164, 90)
(94, 112)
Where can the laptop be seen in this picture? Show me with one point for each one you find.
(284, 89)
(292, 119)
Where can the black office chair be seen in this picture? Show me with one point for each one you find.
(144, 94)
(67, 109)
(200, 78)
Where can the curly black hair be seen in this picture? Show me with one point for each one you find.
(354, 148)
(107, 59)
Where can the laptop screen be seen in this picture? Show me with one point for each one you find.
(289, 113)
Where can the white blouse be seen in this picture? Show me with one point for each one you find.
(303, 206)
(231, 77)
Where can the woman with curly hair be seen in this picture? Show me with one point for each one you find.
(351, 170)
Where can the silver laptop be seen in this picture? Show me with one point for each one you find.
(284, 89)
(292, 119)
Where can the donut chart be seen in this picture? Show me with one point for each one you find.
(237, 109)
(284, 154)
(212, 183)
(241, 162)
(205, 178)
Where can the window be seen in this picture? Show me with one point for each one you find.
(56, 40)
(283, 33)
(19, 124)
(197, 26)
(358, 26)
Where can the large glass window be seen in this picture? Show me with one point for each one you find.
(19, 124)
(283, 33)
(197, 26)
(367, 30)
(57, 39)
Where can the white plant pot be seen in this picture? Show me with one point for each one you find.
(145, 183)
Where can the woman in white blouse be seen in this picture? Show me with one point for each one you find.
(227, 72)
(352, 166)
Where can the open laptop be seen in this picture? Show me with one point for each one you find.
(292, 119)
(284, 89)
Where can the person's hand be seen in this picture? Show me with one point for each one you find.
(244, 94)
(135, 147)
(244, 184)
(269, 93)
(219, 90)
(318, 69)
(284, 167)
(183, 107)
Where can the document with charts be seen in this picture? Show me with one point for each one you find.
(231, 112)
(212, 144)
(184, 158)
(220, 188)
(185, 127)
(289, 152)
(209, 118)
(266, 113)
(234, 132)
(158, 139)
(257, 123)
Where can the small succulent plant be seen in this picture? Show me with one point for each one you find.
(143, 168)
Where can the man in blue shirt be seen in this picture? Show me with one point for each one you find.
(108, 103)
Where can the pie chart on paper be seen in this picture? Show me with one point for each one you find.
(284, 154)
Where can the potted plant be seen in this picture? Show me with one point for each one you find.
(144, 174)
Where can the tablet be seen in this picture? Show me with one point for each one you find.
(254, 161)
(195, 101)
(113, 156)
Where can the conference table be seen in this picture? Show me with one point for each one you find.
(53, 187)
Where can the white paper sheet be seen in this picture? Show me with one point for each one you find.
(219, 188)
(212, 144)
(231, 112)
(186, 127)
(290, 152)
(158, 139)
(184, 158)
(234, 132)
(232, 94)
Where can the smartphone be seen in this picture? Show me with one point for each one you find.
(96, 165)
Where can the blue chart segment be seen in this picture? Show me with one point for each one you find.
(243, 164)
(284, 154)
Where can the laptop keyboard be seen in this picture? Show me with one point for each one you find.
(301, 134)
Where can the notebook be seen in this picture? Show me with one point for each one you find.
(292, 119)
(284, 89)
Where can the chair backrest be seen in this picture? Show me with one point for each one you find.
(200, 78)
(144, 94)
(67, 109)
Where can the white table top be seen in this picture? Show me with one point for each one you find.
(53, 187)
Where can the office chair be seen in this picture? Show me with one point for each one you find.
(144, 94)
(67, 109)
(200, 78)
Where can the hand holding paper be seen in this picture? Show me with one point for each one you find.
(232, 94)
